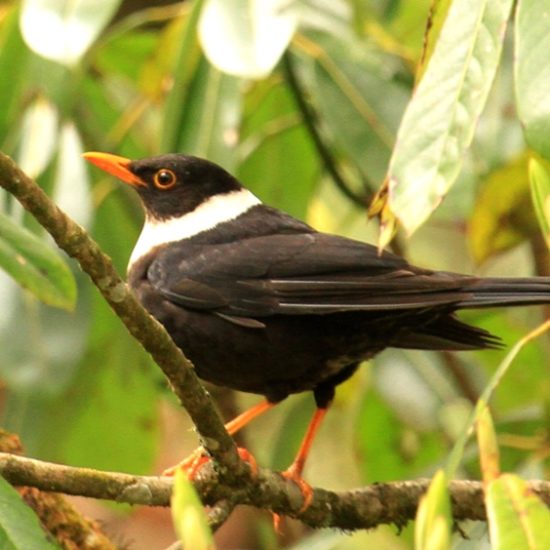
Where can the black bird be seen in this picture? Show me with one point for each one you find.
(263, 303)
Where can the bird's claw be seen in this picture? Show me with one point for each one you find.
(294, 475)
(198, 458)
(190, 465)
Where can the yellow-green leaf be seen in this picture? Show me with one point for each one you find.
(190, 521)
(488, 446)
(540, 193)
(503, 214)
(433, 519)
(517, 517)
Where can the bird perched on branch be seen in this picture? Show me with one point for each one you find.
(262, 303)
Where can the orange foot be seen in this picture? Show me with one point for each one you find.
(293, 473)
(198, 458)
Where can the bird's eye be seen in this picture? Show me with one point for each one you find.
(164, 179)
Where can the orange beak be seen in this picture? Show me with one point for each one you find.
(114, 165)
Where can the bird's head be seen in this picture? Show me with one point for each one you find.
(170, 186)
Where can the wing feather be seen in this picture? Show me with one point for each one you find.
(297, 274)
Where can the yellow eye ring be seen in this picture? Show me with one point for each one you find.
(164, 179)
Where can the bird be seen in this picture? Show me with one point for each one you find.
(261, 302)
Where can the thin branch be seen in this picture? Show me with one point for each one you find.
(47, 476)
(310, 122)
(74, 240)
(367, 507)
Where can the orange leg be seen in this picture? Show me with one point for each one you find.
(295, 470)
(197, 458)
(239, 422)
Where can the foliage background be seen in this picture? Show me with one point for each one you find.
(77, 388)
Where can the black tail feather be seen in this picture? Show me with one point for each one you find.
(506, 291)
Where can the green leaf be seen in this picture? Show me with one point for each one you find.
(62, 31)
(19, 526)
(190, 521)
(540, 193)
(433, 518)
(532, 43)
(246, 37)
(439, 122)
(35, 265)
(517, 517)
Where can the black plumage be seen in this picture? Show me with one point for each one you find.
(263, 303)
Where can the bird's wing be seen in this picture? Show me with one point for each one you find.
(296, 274)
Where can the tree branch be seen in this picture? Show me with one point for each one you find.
(365, 508)
(74, 240)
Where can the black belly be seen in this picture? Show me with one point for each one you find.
(295, 353)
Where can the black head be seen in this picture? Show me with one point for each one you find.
(169, 185)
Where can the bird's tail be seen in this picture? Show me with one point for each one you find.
(450, 333)
(506, 291)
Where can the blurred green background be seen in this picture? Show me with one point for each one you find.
(133, 78)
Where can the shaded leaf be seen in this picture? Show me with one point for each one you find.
(19, 526)
(246, 37)
(35, 266)
(532, 43)
(540, 193)
(503, 214)
(439, 122)
(517, 517)
(188, 515)
(63, 31)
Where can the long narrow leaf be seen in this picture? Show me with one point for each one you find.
(35, 266)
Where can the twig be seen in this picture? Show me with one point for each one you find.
(310, 122)
(74, 240)
(47, 476)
